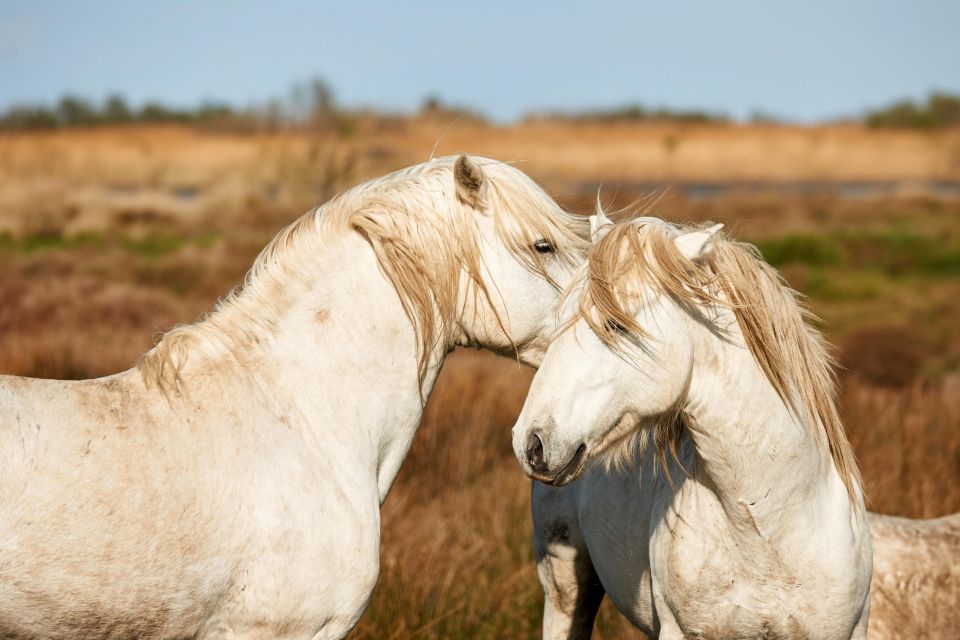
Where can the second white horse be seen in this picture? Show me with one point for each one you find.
(755, 525)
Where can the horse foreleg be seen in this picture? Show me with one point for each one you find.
(860, 631)
(571, 587)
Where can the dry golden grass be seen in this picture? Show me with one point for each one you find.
(84, 179)
(704, 152)
(114, 235)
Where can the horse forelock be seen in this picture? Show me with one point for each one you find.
(776, 325)
(424, 238)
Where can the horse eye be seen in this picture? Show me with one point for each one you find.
(615, 327)
(542, 246)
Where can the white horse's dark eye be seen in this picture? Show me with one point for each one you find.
(542, 246)
(615, 327)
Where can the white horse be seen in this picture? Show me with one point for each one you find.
(746, 518)
(229, 485)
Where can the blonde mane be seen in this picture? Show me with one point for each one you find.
(775, 323)
(425, 239)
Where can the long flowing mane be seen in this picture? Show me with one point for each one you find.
(426, 240)
(775, 323)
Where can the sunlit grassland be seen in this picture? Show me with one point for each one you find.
(109, 237)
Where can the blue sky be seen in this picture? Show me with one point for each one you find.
(800, 60)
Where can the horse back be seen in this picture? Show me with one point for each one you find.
(88, 489)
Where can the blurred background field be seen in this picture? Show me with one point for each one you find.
(112, 234)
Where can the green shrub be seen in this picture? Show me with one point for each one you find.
(940, 110)
(815, 251)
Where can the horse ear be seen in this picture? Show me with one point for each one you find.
(696, 245)
(469, 180)
(599, 226)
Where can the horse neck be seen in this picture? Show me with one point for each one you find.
(763, 462)
(341, 360)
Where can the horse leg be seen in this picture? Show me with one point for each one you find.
(860, 630)
(572, 596)
(571, 587)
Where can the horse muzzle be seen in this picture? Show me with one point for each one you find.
(537, 465)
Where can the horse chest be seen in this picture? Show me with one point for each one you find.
(313, 568)
(730, 606)
(712, 585)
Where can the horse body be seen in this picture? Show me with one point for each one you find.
(763, 540)
(590, 543)
(229, 486)
(916, 577)
(751, 532)
(192, 513)
(254, 493)
(693, 557)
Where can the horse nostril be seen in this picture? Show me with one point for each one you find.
(535, 452)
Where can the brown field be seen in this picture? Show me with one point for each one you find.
(110, 236)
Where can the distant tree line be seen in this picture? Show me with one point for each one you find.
(308, 104)
(636, 112)
(940, 110)
(312, 105)
(73, 111)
